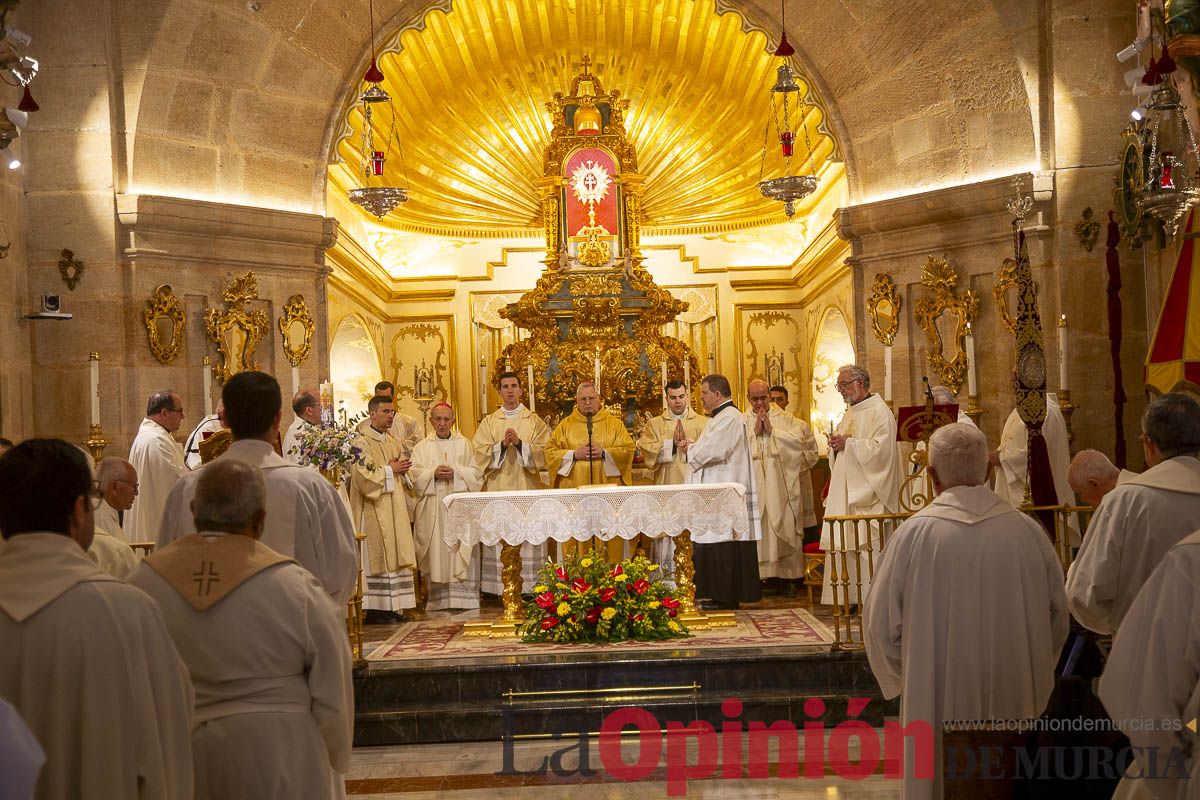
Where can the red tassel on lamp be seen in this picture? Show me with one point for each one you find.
(28, 104)
(374, 74)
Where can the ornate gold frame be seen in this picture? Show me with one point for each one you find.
(222, 325)
(296, 310)
(940, 278)
(884, 290)
(164, 303)
(1006, 279)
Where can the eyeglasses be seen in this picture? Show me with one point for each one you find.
(847, 384)
(134, 484)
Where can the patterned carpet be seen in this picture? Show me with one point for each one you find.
(442, 638)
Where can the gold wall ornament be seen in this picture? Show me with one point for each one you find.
(71, 269)
(236, 331)
(944, 317)
(884, 307)
(297, 328)
(1087, 229)
(164, 321)
(1006, 279)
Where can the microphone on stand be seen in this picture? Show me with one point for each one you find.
(928, 389)
(589, 430)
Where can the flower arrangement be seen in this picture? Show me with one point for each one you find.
(588, 599)
(331, 449)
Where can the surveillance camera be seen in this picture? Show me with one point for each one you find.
(19, 36)
(1131, 51)
(51, 304)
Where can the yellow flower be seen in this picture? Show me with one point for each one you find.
(564, 609)
(608, 613)
(621, 578)
(539, 588)
(653, 567)
(587, 562)
(562, 586)
(673, 625)
(655, 604)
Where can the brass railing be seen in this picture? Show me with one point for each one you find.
(857, 542)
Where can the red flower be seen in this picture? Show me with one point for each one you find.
(561, 574)
(617, 570)
(670, 612)
(607, 594)
(564, 596)
(549, 622)
(593, 614)
(640, 586)
(637, 617)
(580, 585)
(545, 600)
(670, 602)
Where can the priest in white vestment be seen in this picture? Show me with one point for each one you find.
(1153, 673)
(726, 568)
(265, 646)
(782, 451)
(377, 501)
(967, 614)
(305, 519)
(444, 463)
(1141, 519)
(21, 757)
(118, 485)
(510, 448)
(864, 479)
(158, 460)
(1091, 476)
(85, 659)
(663, 443)
(207, 427)
(306, 405)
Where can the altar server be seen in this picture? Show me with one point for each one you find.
(306, 405)
(864, 479)
(86, 659)
(265, 646)
(208, 426)
(782, 451)
(158, 460)
(726, 569)
(381, 512)
(608, 461)
(967, 614)
(1141, 519)
(444, 463)
(305, 518)
(510, 448)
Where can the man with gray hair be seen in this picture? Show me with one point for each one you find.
(264, 643)
(930, 623)
(158, 460)
(1091, 476)
(117, 486)
(1141, 519)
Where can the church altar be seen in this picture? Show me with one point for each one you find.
(693, 511)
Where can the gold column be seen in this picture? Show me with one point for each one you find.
(549, 188)
(632, 185)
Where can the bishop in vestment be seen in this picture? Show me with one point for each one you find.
(510, 449)
(85, 659)
(381, 512)
(444, 463)
(264, 644)
(572, 462)
(967, 614)
(158, 460)
(782, 450)
(664, 442)
(865, 479)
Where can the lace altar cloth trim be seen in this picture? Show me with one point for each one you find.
(609, 512)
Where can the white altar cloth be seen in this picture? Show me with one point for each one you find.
(712, 513)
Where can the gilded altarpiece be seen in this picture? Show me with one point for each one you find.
(420, 356)
(770, 346)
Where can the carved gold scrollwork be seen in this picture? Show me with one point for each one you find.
(236, 331)
(297, 328)
(884, 307)
(164, 320)
(957, 310)
(1006, 279)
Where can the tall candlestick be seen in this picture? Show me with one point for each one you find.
(483, 408)
(887, 373)
(532, 390)
(1062, 352)
(972, 378)
(94, 369)
(664, 385)
(207, 362)
(597, 370)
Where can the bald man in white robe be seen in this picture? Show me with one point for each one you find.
(1091, 476)
(265, 646)
(931, 625)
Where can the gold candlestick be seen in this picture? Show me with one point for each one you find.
(1067, 408)
(96, 443)
(974, 411)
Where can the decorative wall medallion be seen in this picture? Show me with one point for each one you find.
(297, 328)
(236, 331)
(164, 321)
(1087, 229)
(884, 307)
(944, 316)
(70, 268)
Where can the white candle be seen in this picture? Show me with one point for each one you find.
(1062, 353)
(687, 374)
(94, 370)
(972, 388)
(207, 367)
(887, 373)
(295, 381)
(664, 385)
(532, 393)
(712, 362)
(597, 380)
(483, 408)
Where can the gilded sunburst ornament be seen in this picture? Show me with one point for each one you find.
(590, 182)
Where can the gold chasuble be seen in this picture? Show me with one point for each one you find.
(609, 435)
(377, 503)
